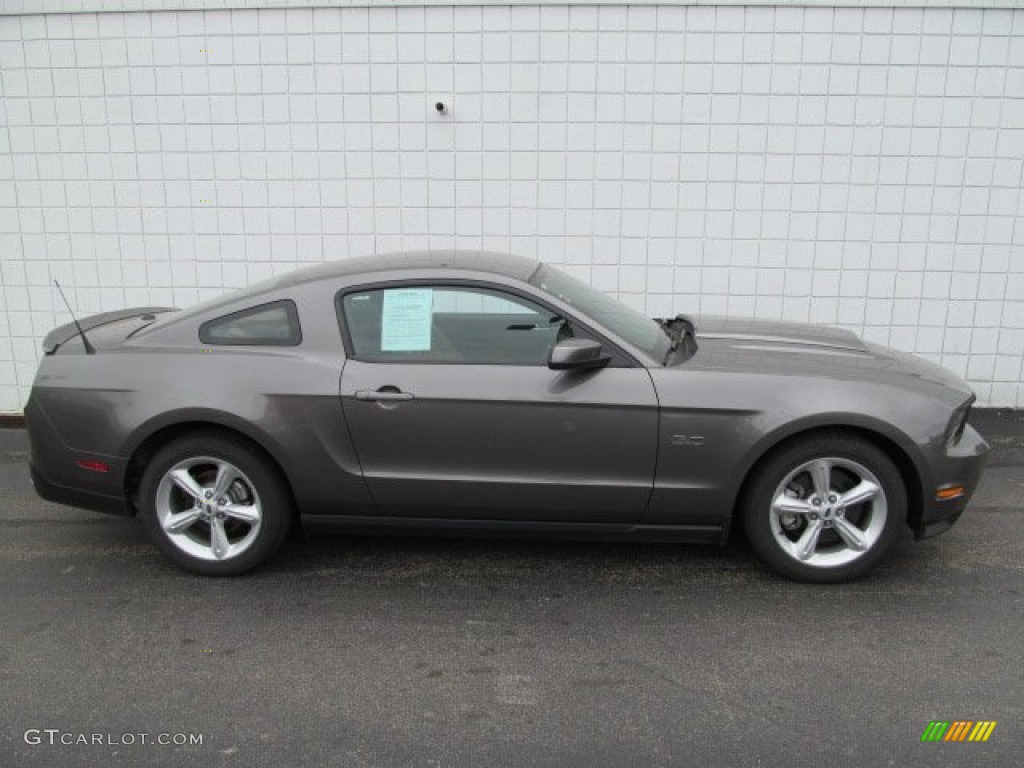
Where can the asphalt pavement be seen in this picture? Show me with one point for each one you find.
(433, 652)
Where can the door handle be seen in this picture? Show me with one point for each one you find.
(384, 394)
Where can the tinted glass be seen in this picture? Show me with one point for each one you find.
(636, 328)
(437, 324)
(270, 324)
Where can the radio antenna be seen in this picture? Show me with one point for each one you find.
(89, 349)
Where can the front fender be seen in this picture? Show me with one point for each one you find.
(891, 436)
(716, 426)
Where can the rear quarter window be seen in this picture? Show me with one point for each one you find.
(275, 324)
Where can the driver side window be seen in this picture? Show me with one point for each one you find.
(450, 324)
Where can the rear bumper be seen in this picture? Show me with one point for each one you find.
(960, 465)
(76, 497)
(58, 477)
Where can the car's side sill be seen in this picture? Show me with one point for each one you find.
(373, 524)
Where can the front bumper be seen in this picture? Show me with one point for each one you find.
(959, 465)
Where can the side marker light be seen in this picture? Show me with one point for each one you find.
(949, 492)
(93, 466)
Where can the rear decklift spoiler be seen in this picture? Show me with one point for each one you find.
(68, 331)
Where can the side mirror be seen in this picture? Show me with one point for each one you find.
(577, 355)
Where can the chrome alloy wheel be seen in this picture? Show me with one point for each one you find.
(828, 512)
(208, 508)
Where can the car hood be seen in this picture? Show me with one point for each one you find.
(772, 346)
(749, 331)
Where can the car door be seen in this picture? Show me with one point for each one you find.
(455, 414)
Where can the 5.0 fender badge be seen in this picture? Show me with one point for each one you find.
(694, 440)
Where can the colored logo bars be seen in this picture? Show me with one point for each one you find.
(958, 730)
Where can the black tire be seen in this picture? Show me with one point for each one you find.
(778, 535)
(260, 487)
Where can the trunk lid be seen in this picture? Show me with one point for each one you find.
(104, 330)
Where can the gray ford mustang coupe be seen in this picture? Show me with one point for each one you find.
(468, 392)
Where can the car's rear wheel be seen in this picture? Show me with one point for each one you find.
(825, 508)
(214, 505)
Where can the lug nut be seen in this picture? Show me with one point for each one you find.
(209, 494)
(816, 501)
(833, 499)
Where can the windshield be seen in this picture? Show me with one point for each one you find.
(639, 330)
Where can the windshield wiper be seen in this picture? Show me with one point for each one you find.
(682, 332)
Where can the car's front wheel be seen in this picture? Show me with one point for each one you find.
(214, 505)
(825, 508)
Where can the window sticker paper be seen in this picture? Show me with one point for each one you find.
(406, 319)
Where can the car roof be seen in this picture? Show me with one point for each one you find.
(487, 262)
(506, 264)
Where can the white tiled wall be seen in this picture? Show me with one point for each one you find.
(860, 167)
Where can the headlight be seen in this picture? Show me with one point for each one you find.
(958, 422)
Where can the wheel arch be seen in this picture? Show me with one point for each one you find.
(154, 435)
(898, 447)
